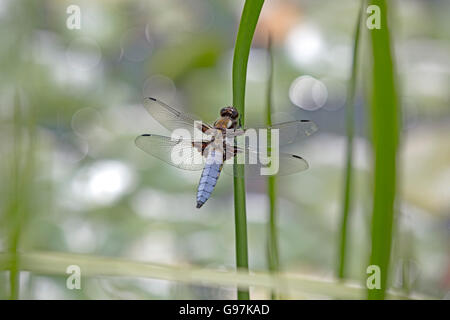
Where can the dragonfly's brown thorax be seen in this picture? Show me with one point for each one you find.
(229, 120)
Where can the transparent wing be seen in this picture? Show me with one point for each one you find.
(173, 119)
(183, 154)
(288, 131)
(259, 165)
(292, 130)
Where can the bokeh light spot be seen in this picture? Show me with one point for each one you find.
(308, 93)
(160, 87)
(87, 122)
(136, 45)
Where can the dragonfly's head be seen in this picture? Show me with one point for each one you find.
(229, 118)
(229, 112)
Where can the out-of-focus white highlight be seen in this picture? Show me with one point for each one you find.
(103, 182)
(304, 45)
(308, 93)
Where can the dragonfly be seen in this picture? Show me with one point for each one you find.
(211, 148)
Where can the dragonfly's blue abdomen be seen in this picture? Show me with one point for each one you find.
(209, 177)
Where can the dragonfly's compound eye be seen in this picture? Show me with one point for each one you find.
(230, 112)
(224, 112)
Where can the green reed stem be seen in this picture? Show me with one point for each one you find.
(384, 115)
(350, 123)
(249, 18)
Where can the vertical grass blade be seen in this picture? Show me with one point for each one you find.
(350, 119)
(21, 179)
(272, 241)
(21, 165)
(384, 114)
(249, 18)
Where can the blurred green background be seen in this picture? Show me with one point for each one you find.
(73, 181)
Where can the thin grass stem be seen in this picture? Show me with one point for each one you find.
(350, 124)
(273, 259)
